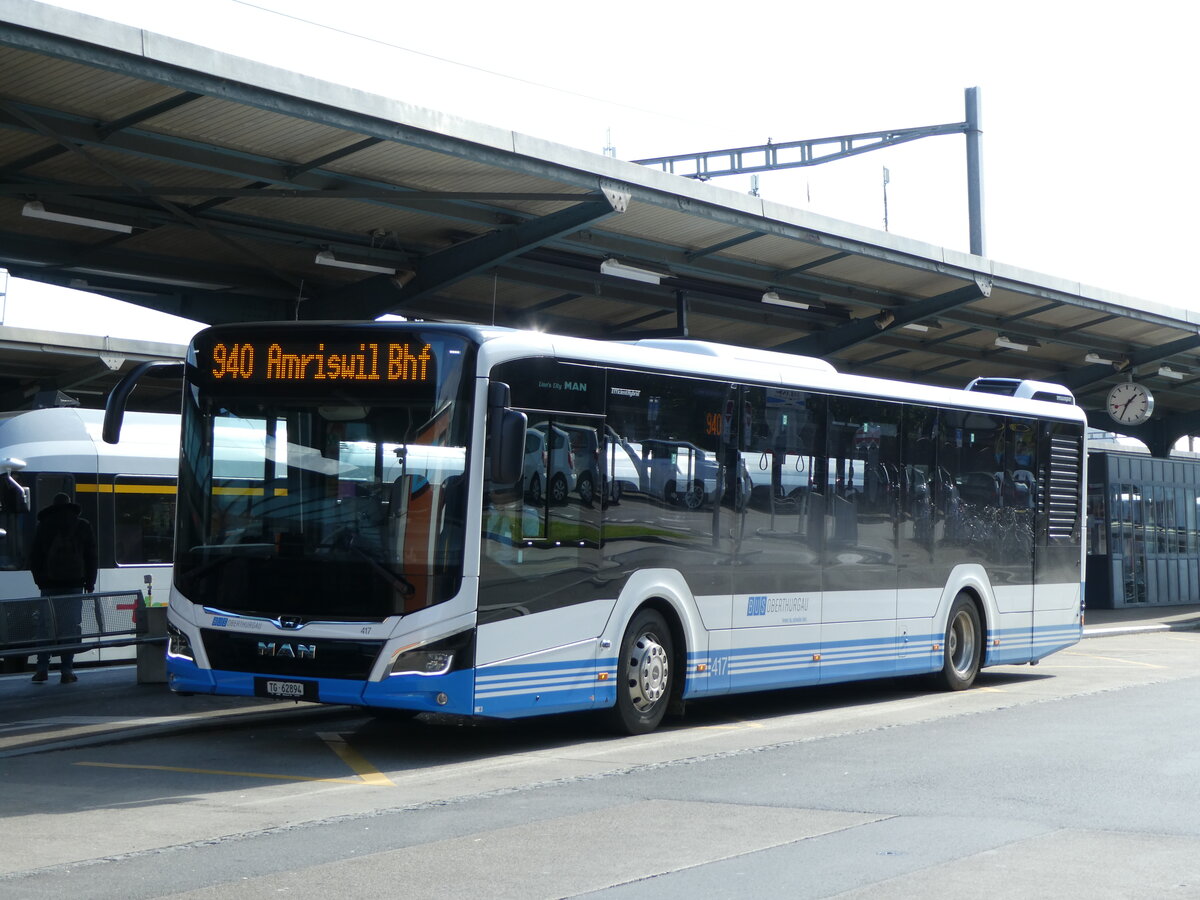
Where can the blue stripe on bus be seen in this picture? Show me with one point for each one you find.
(565, 685)
(535, 688)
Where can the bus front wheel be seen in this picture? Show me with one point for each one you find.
(962, 651)
(644, 674)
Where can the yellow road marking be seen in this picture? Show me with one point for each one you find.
(1117, 659)
(221, 772)
(367, 774)
(351, 757)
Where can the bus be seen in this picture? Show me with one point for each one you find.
(355, 525)
(126, 492)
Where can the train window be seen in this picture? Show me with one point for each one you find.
(145, 519)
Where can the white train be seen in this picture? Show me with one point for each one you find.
(126, 491)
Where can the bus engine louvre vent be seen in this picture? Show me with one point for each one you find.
(1061, 495)
(290, 654)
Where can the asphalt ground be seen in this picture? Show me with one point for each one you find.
(108, 703)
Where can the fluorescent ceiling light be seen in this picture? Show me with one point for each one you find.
(633, 273)
(326, 258)
(1007, 344)
(915, 326)
(1097, 359)
(147, 279)
(775, 300)
(35, 209)
(1168, 372)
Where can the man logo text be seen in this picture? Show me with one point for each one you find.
(287, 651)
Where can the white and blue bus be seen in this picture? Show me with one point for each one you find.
(355, 525)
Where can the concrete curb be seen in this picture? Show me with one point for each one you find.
(1099, 631)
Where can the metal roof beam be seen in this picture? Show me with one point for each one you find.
(794, 154)
(279, 193)
(857, 331)
(723, 245)
(191, 155)
(103, 130)
(1088, 375)
(376, 296)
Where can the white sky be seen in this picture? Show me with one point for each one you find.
(1087, 107)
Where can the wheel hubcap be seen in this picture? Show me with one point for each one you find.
(648, 672)
(961, 644)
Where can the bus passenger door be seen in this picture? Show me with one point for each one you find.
(922, 578)
(990, 492)
(858, 631)
(543, 600)
(777, 600)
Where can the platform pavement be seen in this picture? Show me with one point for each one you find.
(107, 704)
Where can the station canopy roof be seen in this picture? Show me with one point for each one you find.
(169, 175)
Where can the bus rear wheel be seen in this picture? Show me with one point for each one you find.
(962, 651)
(645, 674)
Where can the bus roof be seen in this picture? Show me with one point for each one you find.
(708, 360)
(705, 360)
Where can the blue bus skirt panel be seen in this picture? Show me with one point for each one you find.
(1017, 646)
(1009, 646)
(1049, 639)
(530, 689)
(773, 666)
(416, 692)
(451, 693)
(185, 677)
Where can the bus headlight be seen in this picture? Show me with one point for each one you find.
(178, 645)
(423, 662)
(438, 657)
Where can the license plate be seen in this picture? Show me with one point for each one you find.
(285, 690)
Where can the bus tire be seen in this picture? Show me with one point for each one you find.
(962, 651)
(645, 674)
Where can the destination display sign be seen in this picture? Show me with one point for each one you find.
(318, 362)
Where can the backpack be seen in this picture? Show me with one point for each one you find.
(64, 557)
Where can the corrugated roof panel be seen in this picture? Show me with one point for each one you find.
(779, 252)
(414, 167)
(881, 275)
(655, 223)
(82, 90)
(248, 129)
(372, 224)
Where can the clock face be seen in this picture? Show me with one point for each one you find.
(1130, 403)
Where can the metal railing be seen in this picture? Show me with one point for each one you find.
(31, 625)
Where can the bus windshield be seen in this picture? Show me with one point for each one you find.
(323, 499)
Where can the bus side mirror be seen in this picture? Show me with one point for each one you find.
(506, 436)
(114, 405)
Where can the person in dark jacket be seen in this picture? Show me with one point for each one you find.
(63, 574)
